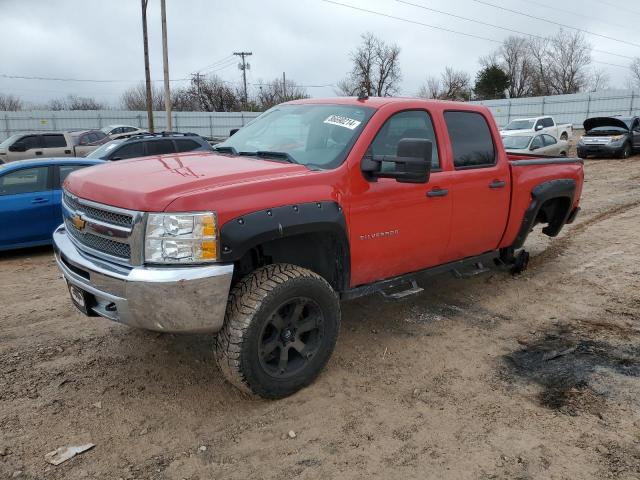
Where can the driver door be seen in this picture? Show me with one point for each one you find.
(397, 228)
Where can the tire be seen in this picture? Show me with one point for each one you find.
(266, 314)
(626, 151)
(564, 136)
(563, 154)
(582, 156)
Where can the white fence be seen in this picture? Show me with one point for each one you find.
(567, 108)
(207, 124)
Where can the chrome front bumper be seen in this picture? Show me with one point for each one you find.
(177, 300)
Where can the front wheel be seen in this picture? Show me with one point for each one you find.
(280, 329)
(626, 151)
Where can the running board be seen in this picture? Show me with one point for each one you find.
(479, 268)
(397, 282)
(412, 290)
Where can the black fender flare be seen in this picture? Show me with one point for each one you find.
(560, 188)
(241, 234)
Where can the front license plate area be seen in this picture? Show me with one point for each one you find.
(82, 300)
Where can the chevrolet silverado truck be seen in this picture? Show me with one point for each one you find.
(313, 202)
(533, 125)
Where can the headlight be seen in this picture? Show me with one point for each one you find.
(616, 138)
(181, 238)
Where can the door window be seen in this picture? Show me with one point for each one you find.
(184, 145)
(31, 141)
(65, 170)
(130, 150)
(547, 122)
(54, 141)
(27, 180)
(536, 143)
(549, 140)
(160, 147)
(409, 124)
(471, 140)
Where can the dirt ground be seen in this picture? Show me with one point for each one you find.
(493, 377)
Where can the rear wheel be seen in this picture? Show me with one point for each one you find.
(280, 329)
(564, 136)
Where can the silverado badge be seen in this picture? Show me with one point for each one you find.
(78, 222)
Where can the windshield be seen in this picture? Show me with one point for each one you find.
(519, 125)
(103, 150)
(9, 141)
(516, 142)
(314, 135)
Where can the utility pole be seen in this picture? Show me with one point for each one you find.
(165, 64)
(196, 78)
(284, 88)
(147, 73)
(243, 66)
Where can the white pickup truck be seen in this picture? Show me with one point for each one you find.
(520, 126)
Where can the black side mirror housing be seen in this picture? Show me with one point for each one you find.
(18, 147)
(233, 131)
(412, 162)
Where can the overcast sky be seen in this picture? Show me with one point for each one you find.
(310, 40)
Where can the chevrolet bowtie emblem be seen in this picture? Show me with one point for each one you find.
(78, 222)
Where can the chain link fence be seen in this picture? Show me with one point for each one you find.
(207, 124)
(574, 109)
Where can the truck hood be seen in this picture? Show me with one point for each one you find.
(151, 183)
(508, 133)
(591, 123)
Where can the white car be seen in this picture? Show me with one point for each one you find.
(542, 144)
(121, 131)
(523, 126)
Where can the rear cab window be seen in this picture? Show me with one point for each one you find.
(54, 141)
(160, 147)
(186, 145)
(471, 140)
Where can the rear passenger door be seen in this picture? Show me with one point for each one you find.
(480, 186)
(635, 131)
(55, 145)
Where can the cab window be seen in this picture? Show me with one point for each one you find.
(536, 143)
(408, 124)
(549, 140)
(471, 140)
(130, 150)
(54, 141)
(31, 141)
(160, 147)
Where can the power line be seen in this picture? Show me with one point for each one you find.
(88, 80)
(222, 60)
(482, 2)
(497, 26)
(380, 14)
(635, 12)
(572, 12)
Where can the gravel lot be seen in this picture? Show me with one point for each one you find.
(495, 377)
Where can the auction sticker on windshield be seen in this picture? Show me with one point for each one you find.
(341, 121)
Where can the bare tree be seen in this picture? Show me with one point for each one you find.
(276, 92)
(74, 102)
(456, 85)
(430, 88)
(514, 57)
(568, 62)
(215, 95)
(10, 103)
(598, 80)
(135, 98)
(635, 71)
(376, 69)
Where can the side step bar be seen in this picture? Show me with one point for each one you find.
(412, 290)
(411, 278)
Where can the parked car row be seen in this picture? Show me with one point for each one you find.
(30, 190)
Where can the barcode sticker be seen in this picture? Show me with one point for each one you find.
(341, 121)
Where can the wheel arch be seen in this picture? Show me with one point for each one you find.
(551, 203)
(311, 235)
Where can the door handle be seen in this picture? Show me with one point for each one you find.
(40, 200)
(67, 151)
(437, 192)
(497, 184)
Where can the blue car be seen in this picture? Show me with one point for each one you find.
(30, 192)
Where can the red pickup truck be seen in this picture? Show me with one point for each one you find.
(313, 202)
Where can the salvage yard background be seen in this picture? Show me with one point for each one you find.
(495, 377)
(572, 109)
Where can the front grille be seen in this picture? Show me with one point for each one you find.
(110, 247)
(121, 219)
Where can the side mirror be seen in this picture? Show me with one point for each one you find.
(18, 147)
(412, 163)
(539, 127)
(233, 131)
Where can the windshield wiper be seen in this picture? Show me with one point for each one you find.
(270, 154)
(226, 150)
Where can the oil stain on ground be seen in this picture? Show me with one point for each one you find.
(575, 373)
